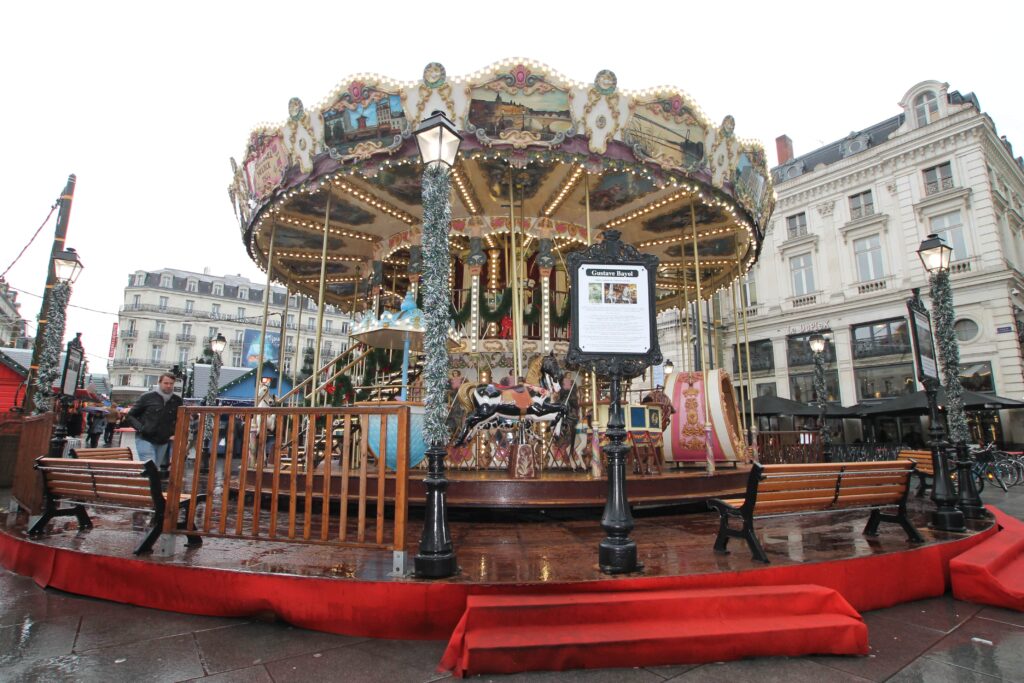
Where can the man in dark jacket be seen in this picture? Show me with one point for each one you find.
(153, 416)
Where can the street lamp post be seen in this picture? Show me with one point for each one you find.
(818, 344)
(438, 142)
(935, 256)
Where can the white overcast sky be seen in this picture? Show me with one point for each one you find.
(146, 102)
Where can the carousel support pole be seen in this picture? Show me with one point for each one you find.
(745, 299)
(320, 303)
(684, 330)
(742, 418)
(405, 368)
(703, 352)
(513, 265)
(617, 552)
(300, 301)
(438, 142)
(474, 309)
(594, 422)
(267, 296)
(284, 341)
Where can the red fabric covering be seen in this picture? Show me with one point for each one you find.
(511, 633)
(992, 572)
(419, 610)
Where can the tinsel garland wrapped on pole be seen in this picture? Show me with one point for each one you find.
(53, 344)
(437, 217)
(949, 355)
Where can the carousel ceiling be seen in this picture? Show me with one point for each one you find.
(550, 157)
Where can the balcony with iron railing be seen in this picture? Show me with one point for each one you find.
(935, 186)
(159, 336)
(865, 211)
(186, 339)
(158, 363)
(129, 334)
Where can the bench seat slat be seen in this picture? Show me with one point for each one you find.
(84, 464)
(100, 488)
(121, 453)
(816, 468)
(89, 479)
(105, 497)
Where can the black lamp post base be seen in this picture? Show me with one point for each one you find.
(947, 519)
(438, 566)
(618, 558)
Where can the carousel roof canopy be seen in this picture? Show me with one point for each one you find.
(553, 160)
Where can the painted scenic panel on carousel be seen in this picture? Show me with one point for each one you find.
(311, 268)
(668, 132)
(617, 189)
(527, 180)
(289, 238)
(364, 120)
(751, 184)
(341, 288)
(341, 211)
(401, 182)
(520, 108)
(680, 219)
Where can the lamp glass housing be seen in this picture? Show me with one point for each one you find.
(218, 343)
(438, 140)
(67, 266)
(668, 367)
(935, 254)
(817, 342)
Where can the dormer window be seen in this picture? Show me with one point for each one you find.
(926, 108)
(193, 285)
(218, 289)
(243, 293)
(165, 280)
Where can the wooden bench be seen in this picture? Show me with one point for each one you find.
(102, 453)
(925, 468)
(775, 490)
(104, 483)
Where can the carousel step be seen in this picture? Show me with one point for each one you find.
(992, 572)
(510, 633)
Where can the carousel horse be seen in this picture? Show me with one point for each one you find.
(489, 403)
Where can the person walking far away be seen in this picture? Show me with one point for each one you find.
(153, 416)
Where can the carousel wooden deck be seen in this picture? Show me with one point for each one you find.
(551, 489)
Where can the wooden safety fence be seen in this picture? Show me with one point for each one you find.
(304, 475)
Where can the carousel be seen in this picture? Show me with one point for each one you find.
(329, 204)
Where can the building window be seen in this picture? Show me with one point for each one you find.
(798, 349)
(801, 387)
(183, 352)
(236, 360)
(186, 329)
(796, 226)
(965, 329)
(158, 352)
(218, 289)
(140, 280)
(193, 286)
(129, 349)
(291, 321)
(189, 305)
(949, 227)
(310, 324)
(327, 348)
(884, 338)
(166, 281)
(868, 251)
(749, 290)
(289, 343)
(766, 389)
(926, 108)
(309, 343)
(977, 377)
(887, 381)
(241, 312)
(151, 380)
(327, 325)
(160, 326)
(344, 328)
(861, 205)
(137, 300)
(125, 380)
(131, 325)
(239, 335)
(213, 333)
(762, 356)
(243, 293)
(938, 178)
(163, 303)
(802, 273)
(215, 310)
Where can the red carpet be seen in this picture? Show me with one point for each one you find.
(429, 610)
(992, 572)
(507, 634)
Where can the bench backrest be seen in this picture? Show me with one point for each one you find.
(922, 458)
(828, 486)
(102, 453)
(120, 482)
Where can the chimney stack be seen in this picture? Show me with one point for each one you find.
(784, 148)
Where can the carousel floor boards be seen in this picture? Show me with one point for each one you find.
(343, 590)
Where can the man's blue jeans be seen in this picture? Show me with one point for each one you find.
(152, 451)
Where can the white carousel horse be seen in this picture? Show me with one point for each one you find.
(490, 403)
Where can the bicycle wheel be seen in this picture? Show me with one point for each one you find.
(979, 480)
(1000, 474)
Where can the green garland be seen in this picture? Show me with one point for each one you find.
(531, 317)
(949, 356)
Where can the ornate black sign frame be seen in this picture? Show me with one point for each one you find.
(918, 316)
(612, 252)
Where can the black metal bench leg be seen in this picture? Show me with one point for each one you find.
(871, 528)
(151, 538)
(755, 545)
(922, 484)
(912, 534)
(191, 540)
(40, 525)
(723, 535)
(84, 522)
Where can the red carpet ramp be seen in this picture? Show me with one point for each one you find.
(992, 572)
(510, 633)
